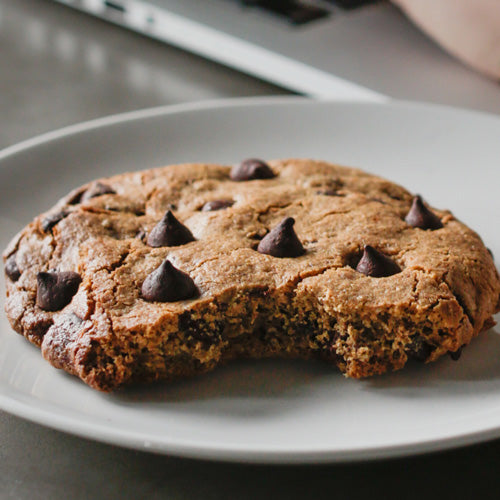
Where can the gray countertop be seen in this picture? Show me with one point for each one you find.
(59, 67)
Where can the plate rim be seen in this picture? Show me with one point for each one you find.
(82, 428)
(150, 112)
(230, 102)
(217, 453)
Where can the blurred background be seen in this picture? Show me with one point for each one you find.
(59, 66)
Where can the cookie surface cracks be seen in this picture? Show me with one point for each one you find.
(249, 303)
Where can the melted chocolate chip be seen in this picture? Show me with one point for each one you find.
(169, 232)
(282, 241)
(55, 290)
(98, 189)
(419, 349)
(251, 169)
(213, 205)
(168, 284)
(51, 220)
(375, 264)
(420, 216)
(455, 355)
(11, 269)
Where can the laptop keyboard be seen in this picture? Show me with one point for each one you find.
(300, 12)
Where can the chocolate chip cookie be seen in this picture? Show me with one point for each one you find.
(169, 272)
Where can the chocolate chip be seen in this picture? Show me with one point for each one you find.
(420, 216)
(55, 290)
(282, 241)
(169, 232)
(250, 169)
(213, 205)
(51, 220)
(455, 356)
(168, 284)
(11, 269)
(376, 264)
(98, 189)
(419, 349)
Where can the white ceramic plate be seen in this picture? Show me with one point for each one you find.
(270, 411)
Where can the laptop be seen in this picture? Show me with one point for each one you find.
(343, 49)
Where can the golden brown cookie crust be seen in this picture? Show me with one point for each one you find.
(315, 305)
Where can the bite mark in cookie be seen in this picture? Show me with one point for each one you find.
(294, 267)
